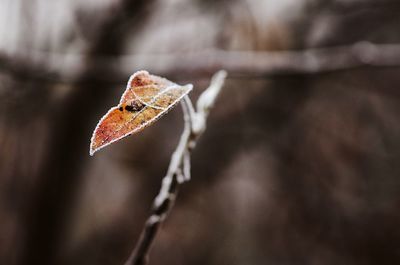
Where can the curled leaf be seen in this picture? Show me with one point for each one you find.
(146, 98)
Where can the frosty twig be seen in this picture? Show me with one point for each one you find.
(179, 167)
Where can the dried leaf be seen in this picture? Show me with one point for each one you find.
(146, 98)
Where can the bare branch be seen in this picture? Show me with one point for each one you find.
(207, 100)
(237, 63)
(179, 167)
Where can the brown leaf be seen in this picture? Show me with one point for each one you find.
(146, 98)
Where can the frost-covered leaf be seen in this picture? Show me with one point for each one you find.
(146, 98)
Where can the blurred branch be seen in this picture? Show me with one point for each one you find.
(237, 63)
(269, 63)
(179, 167)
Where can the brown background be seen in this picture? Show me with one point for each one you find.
(294, 168)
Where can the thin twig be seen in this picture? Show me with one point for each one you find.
(179, 167)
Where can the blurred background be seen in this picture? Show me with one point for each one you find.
(299, 163)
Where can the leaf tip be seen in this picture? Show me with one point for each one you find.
(91, 151)
(189, 87)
